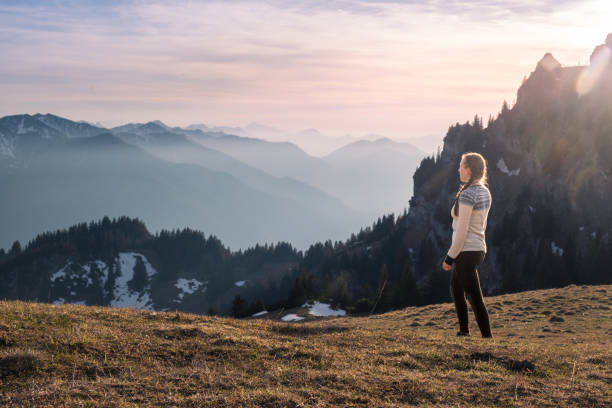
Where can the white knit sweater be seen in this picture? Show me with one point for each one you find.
(470, 225)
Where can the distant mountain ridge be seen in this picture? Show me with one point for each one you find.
(378, 184)
(180, 146)
(362, 148)
(310, 140)
(52, 178)
(338, 196)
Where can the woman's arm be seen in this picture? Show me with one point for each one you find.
(463, 221)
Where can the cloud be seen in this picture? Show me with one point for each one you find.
(301, 64)
(473, 9)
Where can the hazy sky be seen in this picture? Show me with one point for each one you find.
(397, 68)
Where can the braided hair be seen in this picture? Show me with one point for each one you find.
(478, 166)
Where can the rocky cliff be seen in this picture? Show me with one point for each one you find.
(549, 161)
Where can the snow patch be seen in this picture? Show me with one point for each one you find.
(22, 129)
(531, 209)
(291, 317)
(123, 296)
(323, 309)
(101, 267)
(263, 312)
(60, 273)
(240, 283)
(188, 286)
(59, 301)
(68, 273)
(555, 249)
(501, 165)
(5, 148)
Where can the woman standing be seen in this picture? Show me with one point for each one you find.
(468, 248)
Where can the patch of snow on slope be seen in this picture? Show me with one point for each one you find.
(21, 129)
(63, 273)
(60, 274)
(263, 312)
(555, 249)
(501, 165)
(188, 286)
(240, 283)
(74, 276)
(123, 296)
(101, 267)
(323, 309)
(291, 317)
(5, 148)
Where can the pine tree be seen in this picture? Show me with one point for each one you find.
(303, 287)
(407, 293)
(505, 108)
(339, 293)
(543, 274)
(570, 259)
(490, 120)
(15, 249)
(238, 306)
(381, 302)
(508, 278)
(140, 279)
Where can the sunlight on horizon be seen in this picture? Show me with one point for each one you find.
(589, 76)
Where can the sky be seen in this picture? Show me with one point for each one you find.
(395, 68)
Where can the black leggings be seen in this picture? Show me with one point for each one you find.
(465, 282)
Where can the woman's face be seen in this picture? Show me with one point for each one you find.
(464, 172)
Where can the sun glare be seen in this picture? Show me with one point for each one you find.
(590, 75)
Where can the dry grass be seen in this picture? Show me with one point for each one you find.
(552, 348)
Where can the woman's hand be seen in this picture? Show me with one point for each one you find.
(446, 266)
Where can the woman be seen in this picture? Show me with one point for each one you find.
(468, 248)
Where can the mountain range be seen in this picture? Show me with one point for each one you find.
(56, 172)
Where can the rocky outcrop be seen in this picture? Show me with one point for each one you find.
(550, 173)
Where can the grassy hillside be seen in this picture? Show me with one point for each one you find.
(551, 348)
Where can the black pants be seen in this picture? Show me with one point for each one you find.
(465, 282)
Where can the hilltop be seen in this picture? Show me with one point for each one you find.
(551, 348)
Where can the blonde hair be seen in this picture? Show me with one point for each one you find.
(478, 167)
